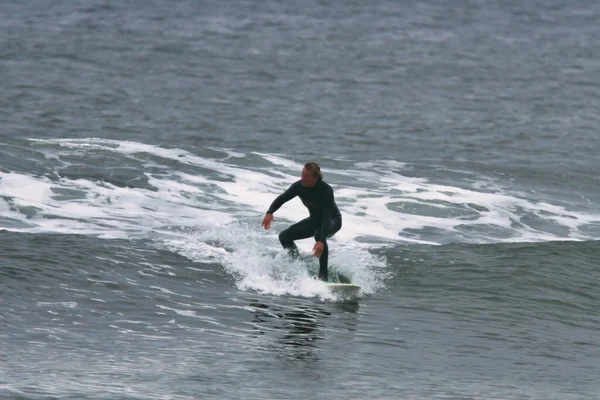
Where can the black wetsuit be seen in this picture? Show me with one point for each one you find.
(324, 221)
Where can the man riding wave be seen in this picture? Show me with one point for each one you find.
(324, 218)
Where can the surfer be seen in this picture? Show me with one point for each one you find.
(324, 218)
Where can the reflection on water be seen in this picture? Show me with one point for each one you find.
(294, 332)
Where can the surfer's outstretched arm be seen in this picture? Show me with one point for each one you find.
(283, 198)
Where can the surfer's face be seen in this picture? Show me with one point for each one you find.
(309, 178)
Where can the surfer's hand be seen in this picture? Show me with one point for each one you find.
(318, 249)
(267, 221)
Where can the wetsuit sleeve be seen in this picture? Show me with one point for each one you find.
(283, 198)
(326, 213)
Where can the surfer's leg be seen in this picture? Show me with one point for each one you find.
(323, 261)
(300, 230)
(336, 224)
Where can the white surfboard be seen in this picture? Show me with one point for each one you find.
(348, 290)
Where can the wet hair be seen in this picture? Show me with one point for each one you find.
(314, 168)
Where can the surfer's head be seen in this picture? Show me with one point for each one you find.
(311, 174)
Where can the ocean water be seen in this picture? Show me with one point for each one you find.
(141, 143)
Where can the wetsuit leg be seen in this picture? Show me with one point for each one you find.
(336, 225)
(300, 230)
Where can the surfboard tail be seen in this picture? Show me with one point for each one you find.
(346, 290)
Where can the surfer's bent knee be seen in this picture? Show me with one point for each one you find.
(283, 239)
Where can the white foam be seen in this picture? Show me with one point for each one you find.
(215, 216)
(257, 263)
